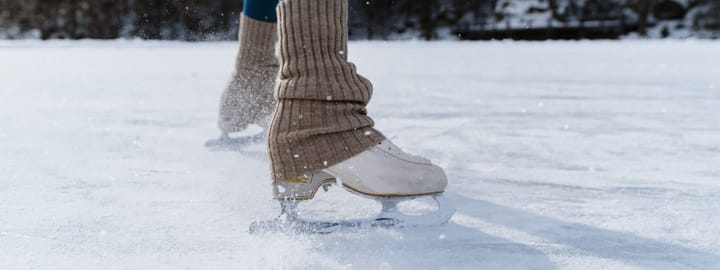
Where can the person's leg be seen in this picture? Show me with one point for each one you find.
(248, 98)
(320, 129)
(320, 118)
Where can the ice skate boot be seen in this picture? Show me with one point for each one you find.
(384, 173)
(248, 98)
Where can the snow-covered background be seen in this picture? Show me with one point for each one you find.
(569, 155)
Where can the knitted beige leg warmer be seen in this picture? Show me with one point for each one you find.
(320, 118)
(248, 99)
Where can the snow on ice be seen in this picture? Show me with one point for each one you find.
(561, 155)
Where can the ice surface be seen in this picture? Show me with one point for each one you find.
(570, 155)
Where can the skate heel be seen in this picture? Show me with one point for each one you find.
(302, 188)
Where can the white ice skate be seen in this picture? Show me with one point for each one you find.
(249, 134)
(384, 173)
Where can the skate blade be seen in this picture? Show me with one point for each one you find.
(390, 211)
(441, 216)
(227, 143)
(317, 227)
(389, 218)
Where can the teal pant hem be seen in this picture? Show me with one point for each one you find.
(261, 10)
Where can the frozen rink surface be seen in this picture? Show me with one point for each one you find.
(561, 155)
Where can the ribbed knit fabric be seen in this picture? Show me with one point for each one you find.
(248, 99)
(320, 118)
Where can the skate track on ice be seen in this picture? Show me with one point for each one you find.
(561, 155)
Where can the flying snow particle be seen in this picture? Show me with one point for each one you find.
(296, 156)
(136, 141)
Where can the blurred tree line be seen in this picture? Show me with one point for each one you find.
(370, 19)
(111, 19)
